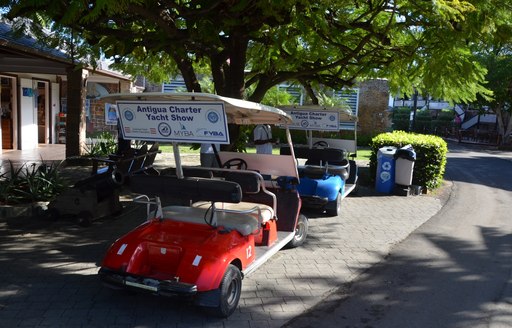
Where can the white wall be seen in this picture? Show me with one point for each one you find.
(28, 117)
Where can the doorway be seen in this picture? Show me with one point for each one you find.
(43, 116)
(7, 85)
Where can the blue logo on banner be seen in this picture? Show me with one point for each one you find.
(332, 117)
(212, 116)
(164, 129)
(129, 115)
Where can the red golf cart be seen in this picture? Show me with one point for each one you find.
(207, 228)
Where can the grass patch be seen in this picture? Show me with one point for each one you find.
(362, 153)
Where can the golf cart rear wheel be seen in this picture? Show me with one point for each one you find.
(334, 208)
(301, 232)
(230, 289)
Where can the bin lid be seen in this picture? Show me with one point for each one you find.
(406, 152)
(387, 151)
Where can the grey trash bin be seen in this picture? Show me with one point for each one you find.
(404, 165)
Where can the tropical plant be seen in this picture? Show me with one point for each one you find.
(101, 146)
(30, 183)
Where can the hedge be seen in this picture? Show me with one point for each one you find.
(430, 155)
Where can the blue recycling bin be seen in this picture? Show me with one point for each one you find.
(385, 180)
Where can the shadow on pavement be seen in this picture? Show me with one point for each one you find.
(388, 287)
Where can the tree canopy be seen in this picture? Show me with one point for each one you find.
(498, 61)
(248, 47)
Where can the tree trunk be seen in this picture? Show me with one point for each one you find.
(310, 92)
(235, 80)
(508, 129)
(75, 120)
(188, 74)
(229, 78)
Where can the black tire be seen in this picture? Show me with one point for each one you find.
(301, 232)
(333, 208)
(230, 289)
(85, 218)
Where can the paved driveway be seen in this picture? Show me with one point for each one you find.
(48, 270)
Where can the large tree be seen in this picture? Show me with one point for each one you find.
(498, 61)
(250, 46)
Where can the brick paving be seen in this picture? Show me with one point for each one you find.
(48, 270)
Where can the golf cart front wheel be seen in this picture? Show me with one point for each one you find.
(301, 232)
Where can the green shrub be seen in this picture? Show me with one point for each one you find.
(430, 155)
(30, 183)
(104, 145)
(401, 118)
(423, 122)
(444, 122)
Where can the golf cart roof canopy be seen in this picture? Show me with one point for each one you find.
(237, 111)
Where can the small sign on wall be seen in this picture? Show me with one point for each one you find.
(28, 92)
(110, 114)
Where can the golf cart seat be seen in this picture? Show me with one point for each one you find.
(243, 223)
(313, 171)
(198, 188)
(263, 213)
(341, 168)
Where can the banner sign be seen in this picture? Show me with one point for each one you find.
(318, 120)
(166, 121)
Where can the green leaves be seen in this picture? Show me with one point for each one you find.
(101, 146)
(425, 45)
(29, 183)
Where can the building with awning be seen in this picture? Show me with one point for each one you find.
(41, 86)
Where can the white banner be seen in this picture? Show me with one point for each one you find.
(167, 121)
(320, 120)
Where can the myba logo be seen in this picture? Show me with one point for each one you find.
(183, 133)
(128, 115)
(304, 123)
(164, 129)
(212, 116)
(332, 118)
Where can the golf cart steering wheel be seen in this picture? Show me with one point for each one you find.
(321, 143)
(237, 163)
